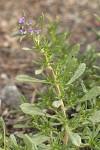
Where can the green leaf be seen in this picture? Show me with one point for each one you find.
(13, 139)
(74, 51)
(97, 17)
(38, 71)
(26, 49)
(78, 73)
(57, 103)
(97, 55)
(22, 37)
(44, 147)
(31, 109)
(83, 86)
(97, 130)
(30, 145)
(23, 99)
(96, 117)
(16, 34)
(97, 33)
(96, 67)
(93, 93)
(75, 138)
(36, 142)
(26, 78)
(64, 36)
(39, 139)
(18, 126)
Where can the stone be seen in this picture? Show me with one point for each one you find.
(10, 96)
(3, 76)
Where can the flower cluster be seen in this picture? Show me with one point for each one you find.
(26, 27)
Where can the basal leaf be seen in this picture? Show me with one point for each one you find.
(35, 142)
(31, 109)
(30, 145)
(39, 139)
(96, 117)
(13, 139)
(75, 138)
(44, 147)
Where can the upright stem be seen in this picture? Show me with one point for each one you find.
(62, 103)
(59, 94)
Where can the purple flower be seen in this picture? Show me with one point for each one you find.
(23, 31)
(22, 20)
(37, 31)
(31, 31)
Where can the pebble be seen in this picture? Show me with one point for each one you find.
(10, 96)
(3, 76)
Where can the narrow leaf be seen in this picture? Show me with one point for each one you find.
(38, 71)
(26, 49)
(18, 126)
(26, 78)
(74, 51)
(78, 73)
(93, 93)
(97, 17)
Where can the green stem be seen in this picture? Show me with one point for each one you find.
(59, 95)
(62, 103)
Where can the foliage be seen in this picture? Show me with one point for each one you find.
(66, 116)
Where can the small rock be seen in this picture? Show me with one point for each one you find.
(3, 76)
(6, 44)
(10, 95)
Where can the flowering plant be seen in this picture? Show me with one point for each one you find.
(66, 114)
(26, 27)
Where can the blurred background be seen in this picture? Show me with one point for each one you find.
(75, 16)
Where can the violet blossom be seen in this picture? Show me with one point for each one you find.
(22, 20)
(31, 31)
(23, 31)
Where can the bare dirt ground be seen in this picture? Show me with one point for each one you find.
(75, 15)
